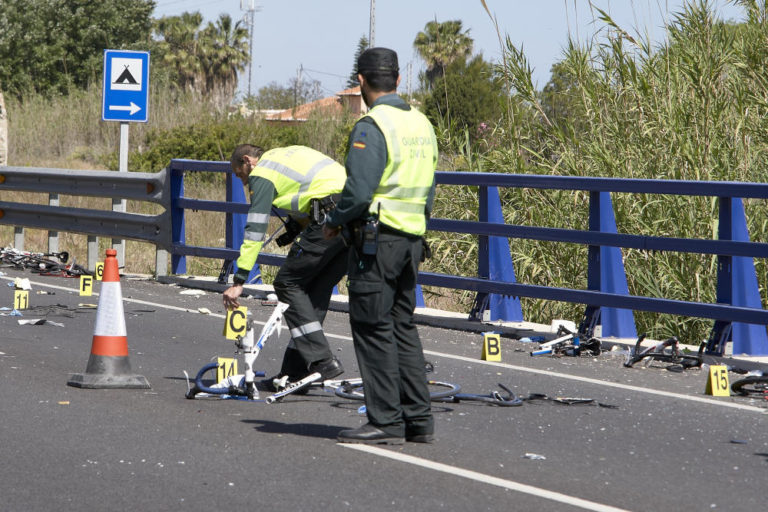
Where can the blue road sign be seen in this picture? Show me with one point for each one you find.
(126, 86)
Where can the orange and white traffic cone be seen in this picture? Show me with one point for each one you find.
(108, 365)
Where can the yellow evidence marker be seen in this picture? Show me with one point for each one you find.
(86, 286)
(491, 347)
(236, 323)
(227, 368)
(99, 270)
(20, 299)
(717, 381)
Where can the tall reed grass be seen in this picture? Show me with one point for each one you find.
(693, 108)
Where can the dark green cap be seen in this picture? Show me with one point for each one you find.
(377, 60)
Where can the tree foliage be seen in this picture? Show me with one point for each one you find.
(362, 45)
(693, 108)
(276, 96)
(439, 44)
(466, 98)
(50, 46)
(205, 60)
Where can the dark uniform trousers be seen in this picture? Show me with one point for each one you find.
(305, 282)
(382, 298)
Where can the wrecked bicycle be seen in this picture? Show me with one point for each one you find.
(244, 386)
(667, 351)
(751, 385)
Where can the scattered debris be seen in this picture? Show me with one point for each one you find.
(191, 291)
(566, 400)
(39, 321)
(32, 321)
(666, 351)
(568, 343)
(534, 456)
(22, 283)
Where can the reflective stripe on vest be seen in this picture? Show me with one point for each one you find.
(410, 171)
(299, 174)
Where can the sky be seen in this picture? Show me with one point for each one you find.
(320, 37)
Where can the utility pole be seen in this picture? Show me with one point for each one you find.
(298, 86)
(372, 26)
(409, 70)
(251, 9)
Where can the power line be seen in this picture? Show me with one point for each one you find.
(199, 4)
(325, 73)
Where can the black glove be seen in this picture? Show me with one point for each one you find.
(426, 252)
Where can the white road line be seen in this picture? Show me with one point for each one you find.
(165, 306)
(669, 394)
(485, 479)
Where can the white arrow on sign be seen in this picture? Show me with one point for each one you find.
(132, 108)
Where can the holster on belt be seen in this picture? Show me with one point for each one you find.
(319, 207)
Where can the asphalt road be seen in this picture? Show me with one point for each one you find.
(666, 446)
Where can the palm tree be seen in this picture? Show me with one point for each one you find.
(440, 44)
(205, 61)
(224, 49)
(179, 48)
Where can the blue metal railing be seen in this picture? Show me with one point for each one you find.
(601, 295)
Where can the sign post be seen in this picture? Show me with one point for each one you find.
(125, 99)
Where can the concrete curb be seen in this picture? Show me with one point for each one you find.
(460, 322)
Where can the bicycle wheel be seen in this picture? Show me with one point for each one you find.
(437, 390)
(751, 386)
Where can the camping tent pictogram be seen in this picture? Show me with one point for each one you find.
(125, 77)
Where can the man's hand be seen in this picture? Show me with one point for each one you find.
(230, 296)
(329, 232)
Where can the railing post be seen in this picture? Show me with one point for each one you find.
(18, 237)
(736, 285)
(92, 252)
(605, 272)
(500, 266)
(53, 236)
(178, 236)
(235, 227)
(495, 263)
(483, 264)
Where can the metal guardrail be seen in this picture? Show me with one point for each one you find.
(151, 187)
(595, 297)
(167, 231)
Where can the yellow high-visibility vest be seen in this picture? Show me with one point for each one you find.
(300, 174)
(411, 159)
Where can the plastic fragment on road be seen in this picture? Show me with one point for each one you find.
(192, 292)
(534, 456)
(22, 283)
(32, 321)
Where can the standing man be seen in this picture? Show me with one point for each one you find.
(303, 181)
(385, 203)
